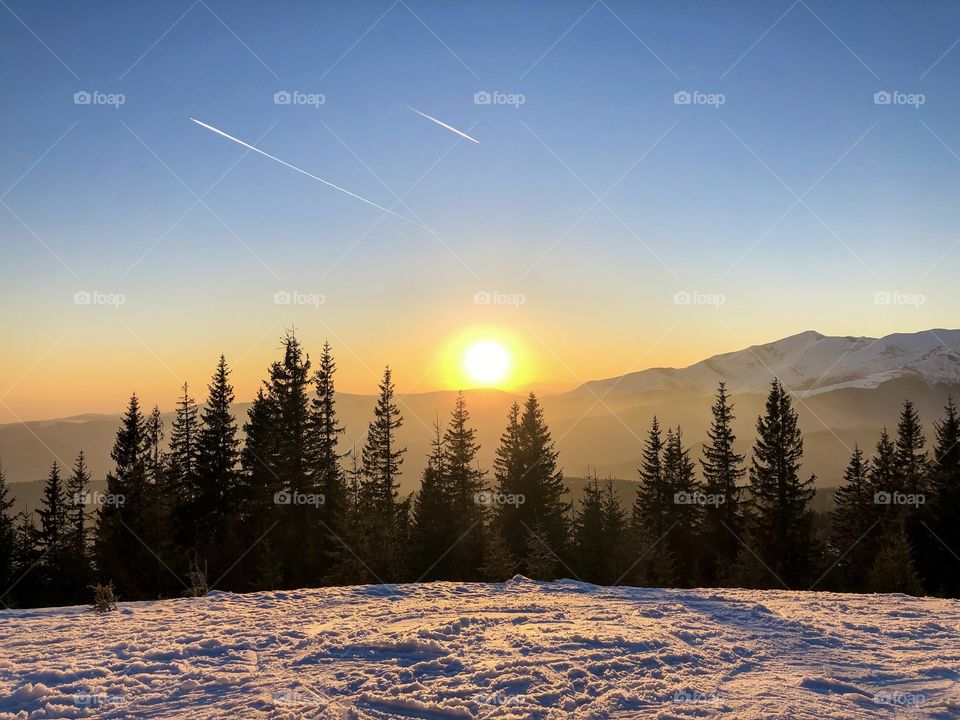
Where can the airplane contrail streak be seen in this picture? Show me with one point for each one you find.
(304, 172)
(443, 124)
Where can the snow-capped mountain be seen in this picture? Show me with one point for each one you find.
(809, 362)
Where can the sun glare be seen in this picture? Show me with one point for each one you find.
(487, 362)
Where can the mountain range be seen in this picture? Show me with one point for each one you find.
(846, 389)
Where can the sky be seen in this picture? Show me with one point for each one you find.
(600, 224)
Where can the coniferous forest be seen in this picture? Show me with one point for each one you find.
(279, 503)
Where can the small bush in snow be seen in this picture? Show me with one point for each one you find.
(104, 599)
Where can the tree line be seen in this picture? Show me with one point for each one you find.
(277, 503)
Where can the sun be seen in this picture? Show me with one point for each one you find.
(487, 362)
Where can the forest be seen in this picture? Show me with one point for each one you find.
(277, 503)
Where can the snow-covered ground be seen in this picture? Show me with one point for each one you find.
(516, 650)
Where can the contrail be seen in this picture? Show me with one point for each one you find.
(443, 124)
(304, 172)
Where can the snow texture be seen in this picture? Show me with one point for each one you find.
(520, 649)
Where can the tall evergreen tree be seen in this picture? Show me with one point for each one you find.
(120, 552)
(723, 472)
(255, 506)
(599, 534)
(288, 387)
(7, 535)
(651, 520)
(382, 459)
(432, 522)
(54, 538)
(685, 508)
(941, 567)
(534, 516)
(324, 461)
(77, 495)
(217, 462)
(29, 585)
(910, 460)
(183, 481)
(781, 531)
(464, 483)
(854, 517)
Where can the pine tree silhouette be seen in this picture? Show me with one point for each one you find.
(781, 524)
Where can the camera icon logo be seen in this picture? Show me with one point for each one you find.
(282, 97)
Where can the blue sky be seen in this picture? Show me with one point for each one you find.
(708, 204)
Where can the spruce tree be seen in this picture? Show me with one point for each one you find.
(184, 480)
(589, 541)
(120, 552)
(781, 530)
(7, 534)
(217, 462)
(77, 495)
(432, 521)
(298, 523)
(854, 517)
(464, 483)
(54, 538)
(652, 512)
(255, 507)
(911, 458)
(29, 588)
(723, 472)
(382, 459)
(324, 462)
(684, 510)
(893, 570)
(531, 483)
(599, 534)
(159, 511)
(941, 567)
(910, 511)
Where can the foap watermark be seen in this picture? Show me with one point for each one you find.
(499, 699)
(297, 97)
(695, 297)
(96, 97)
(484, 97)
(98, 700)
(95, 297)
(295, 297)
(491, 498)
(901, 699)
(695, 696)
(895, 97)
(695, 97)
(287, 497)
(483, 297)
(699, 498)
(896, 297)
(899, 498)
(100, 499)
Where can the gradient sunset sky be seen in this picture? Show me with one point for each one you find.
(797, 199)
